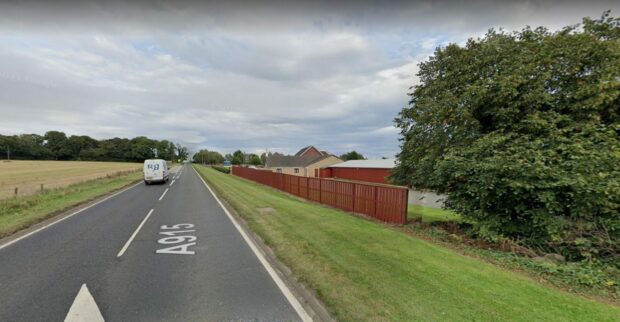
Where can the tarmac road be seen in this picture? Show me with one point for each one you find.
(186, 262)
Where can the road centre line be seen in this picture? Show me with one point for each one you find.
(163, 194)
(134, 234)
(276, 278)
(68, 216)
(171, 183)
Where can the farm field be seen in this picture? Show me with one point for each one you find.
(28, 176)
(19, 213)
(365, 271)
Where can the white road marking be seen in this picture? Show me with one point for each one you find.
(66, 217)
(276, 278)
(163, 194)
(84, 308)
(134, 234)
(172, 182)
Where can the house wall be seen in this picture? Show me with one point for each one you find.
(312, 151)
(309, 170)
(360, 174)
(290, 170)
(321, 164)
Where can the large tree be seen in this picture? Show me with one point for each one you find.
(254, 159)
(353, 155)
(182, 152)
(208, 157)
(58, 144)
(521, 131)
(238, 157)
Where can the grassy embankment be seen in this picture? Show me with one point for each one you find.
(428, 214)
(366, 271)
(20, 212)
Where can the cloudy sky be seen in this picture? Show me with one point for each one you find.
(276, 76)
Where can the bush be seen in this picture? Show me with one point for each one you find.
(559, 192)
(522, 132)
(221, 169)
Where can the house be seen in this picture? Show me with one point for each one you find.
(306, 162)
(375, 171)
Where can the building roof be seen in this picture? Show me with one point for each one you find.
(306, 149)
(284, 161)
(375, 164)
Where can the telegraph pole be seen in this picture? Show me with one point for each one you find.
(8, 153)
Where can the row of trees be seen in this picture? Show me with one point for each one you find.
(55, 145)
(522, 132)
(353, 155)
(239, 157)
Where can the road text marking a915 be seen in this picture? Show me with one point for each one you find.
(178, 235)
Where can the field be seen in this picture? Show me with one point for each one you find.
(22, 212)
(28, 176)
(365, 271)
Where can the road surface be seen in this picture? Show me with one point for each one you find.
(150, 253)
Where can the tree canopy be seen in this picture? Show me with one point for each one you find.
(254, 159)
(55, 145)
(208, 157)
(521, 131)
(353, 155)
(238, 158)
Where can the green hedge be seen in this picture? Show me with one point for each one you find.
(221, 168)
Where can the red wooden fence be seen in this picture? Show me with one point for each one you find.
(384, 202)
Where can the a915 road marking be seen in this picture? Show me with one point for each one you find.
(177, 234)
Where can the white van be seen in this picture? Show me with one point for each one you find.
(155, 170)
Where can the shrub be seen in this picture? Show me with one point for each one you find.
(221, 168)
(522, 132)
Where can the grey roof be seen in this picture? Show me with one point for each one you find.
(302, 150)
(279, 160)
(377, 164)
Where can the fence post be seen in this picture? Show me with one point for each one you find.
(406, 198)
(41, 187)
(376, 201)
(320, 190)
(353, 196)
(16, 192)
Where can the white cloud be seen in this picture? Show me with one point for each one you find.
(229, 78)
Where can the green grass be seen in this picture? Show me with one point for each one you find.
(367, 271)
(22, 212)
(428, 214)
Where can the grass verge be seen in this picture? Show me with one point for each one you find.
(590, 278)
(428, 214)
(19, 213)
(366, 271)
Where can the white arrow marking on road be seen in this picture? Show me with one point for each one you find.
(84, 308)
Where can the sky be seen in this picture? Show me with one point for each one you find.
(236, 75)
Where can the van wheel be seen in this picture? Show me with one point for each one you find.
(146, 182)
